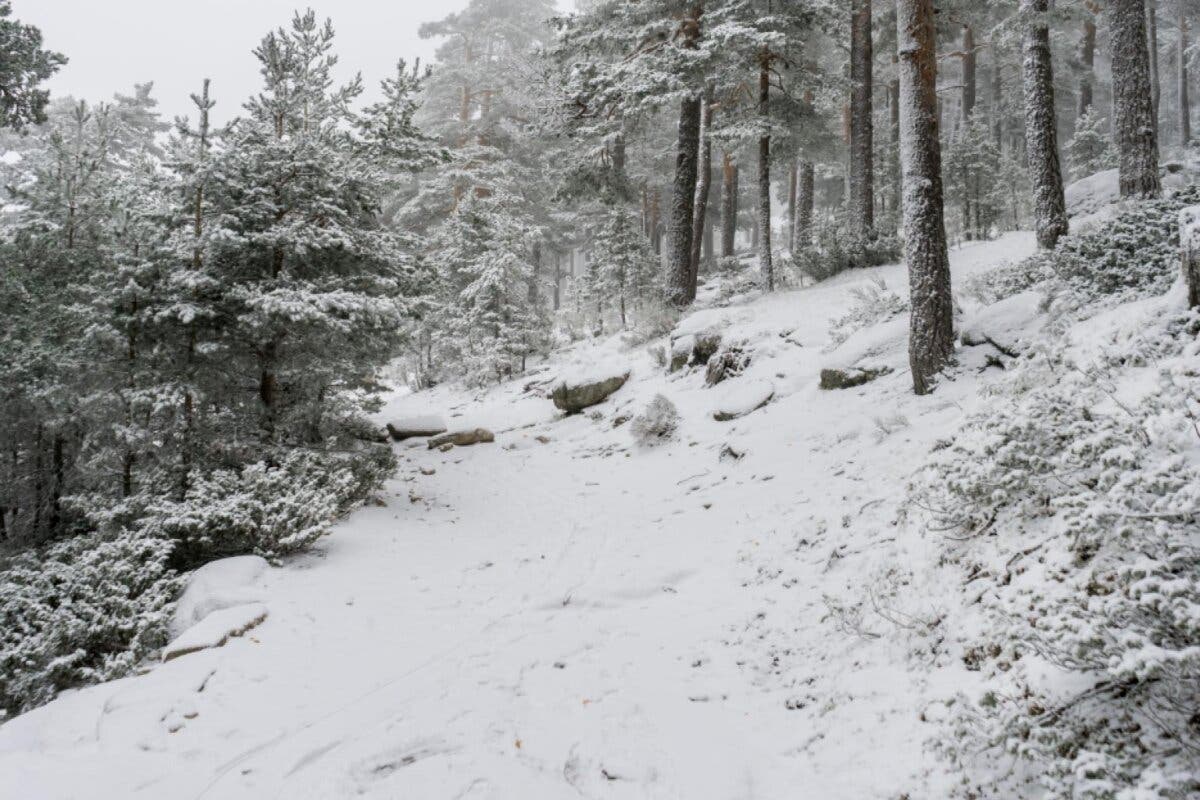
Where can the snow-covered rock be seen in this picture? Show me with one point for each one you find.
(579, 390)
(849, 377)
(741, 399)
(219, 585)
(216, 629)
(415, 427)
(1007, 325)
(463, 438)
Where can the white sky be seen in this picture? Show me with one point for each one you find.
(113, 44)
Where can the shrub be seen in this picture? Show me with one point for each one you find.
(871, 304)
(657, 423)
(836, 250)
(270, 510)
(1079, 510)
(79, 611)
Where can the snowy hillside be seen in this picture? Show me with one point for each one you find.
(565, 613)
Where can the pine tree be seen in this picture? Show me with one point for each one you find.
(1133, 106)
(1090, 149)
(24, 65)
(1041, 127)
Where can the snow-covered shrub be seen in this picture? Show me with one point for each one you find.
(657, 423)
(1074, 503)
(871, 303)
(836, 250)
(83, 610)
(265, 509)
(1090, 149)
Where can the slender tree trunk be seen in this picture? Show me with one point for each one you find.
(931, 334)
(997, 101)
(766, 268)
(1087, 59)
(1136, 130)
(683, 203)
(729, 191)
(1041, 137)
(805, 187)
(862, 182)
(558, 276)
(1185, 107)
(703, 182)
(791, 206)
(1150, 17)
(968, 73)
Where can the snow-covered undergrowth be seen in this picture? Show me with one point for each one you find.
(793, 592)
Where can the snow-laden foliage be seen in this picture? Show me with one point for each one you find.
(1073, 505)
(86, 609)
(871, 303)
(836, 249)
(1090, 149)
(657, 423)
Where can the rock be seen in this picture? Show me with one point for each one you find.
(462, 439)
(744, 399)
(728, 363)
(851, 376)
(428, 471)
(705, 347)
(1007, 326)
(573, 396)
(221, 584)
(216, 629)
(681, 352)
(415, 427)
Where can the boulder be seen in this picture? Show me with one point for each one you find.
(216, 629)
(415, 427)
(681, 352)
(463, 438)
(705, 347)
(849, 377)
(743, 399)
(573, 396)
(728, 363)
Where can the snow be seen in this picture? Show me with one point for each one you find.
(218, 585)
(742, 397)
(570, 615)
(422, 422)
(216, 629)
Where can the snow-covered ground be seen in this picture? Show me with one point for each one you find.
(567, 614)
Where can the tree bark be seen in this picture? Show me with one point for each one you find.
(1041, 134)
(862, 182)
(1151, 19)
(805, 187)
(729, 191)
(1087, 59)
(968, 73)
(1185, 107)
(703, 182)
(766, 268)
(791, 206)
(931, 325)
(1136, 129)
(683, 203)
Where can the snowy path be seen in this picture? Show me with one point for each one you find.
(575, 618)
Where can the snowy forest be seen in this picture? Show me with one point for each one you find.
(640, 399)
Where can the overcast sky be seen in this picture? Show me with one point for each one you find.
(113, 44)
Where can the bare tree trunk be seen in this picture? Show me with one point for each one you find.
(862, 183)
(997, 101)
(1087, 58)
(968, 73)
(1041, 133)
(679, 289)
(729, 191)
(1136, 129)
(766, 268)
(1185, 107)
(1151, 19)
(931, 327)
(791, 207)
(703, 182)
(805, 187)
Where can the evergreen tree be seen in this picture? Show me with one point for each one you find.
(24, 65)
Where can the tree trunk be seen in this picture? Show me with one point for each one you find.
(766, 268)
(968, 73)
(997, 101)
(862, 184)
(1137, 140)
(931, 327)
(729, 191)
(791, 207)
(703, 182)
(1185, 107)
(1087, 59)
(1151, 19)
(1041, 136)
(805, 188)
(683, 203)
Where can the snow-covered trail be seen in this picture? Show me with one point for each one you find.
(562, 619)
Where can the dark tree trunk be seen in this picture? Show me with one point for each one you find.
(791, 207)
(931, 332)
(862, 183)
(1041, 137)
(679, 289)
(703, 182)
(805, 187)
(1087, 59)
(1137, 139)
(997, 101)
(968, 73)
(729, 192)
(897, 190)
(766, 268)
(1151, 20)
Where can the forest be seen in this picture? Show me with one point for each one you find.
(807, 390)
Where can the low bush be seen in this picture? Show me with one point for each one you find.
(657, 423)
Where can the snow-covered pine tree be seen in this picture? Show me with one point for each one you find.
(931, 335)
(24, 66)
(1133, 106)
(1090, 150)
(1041, 126)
